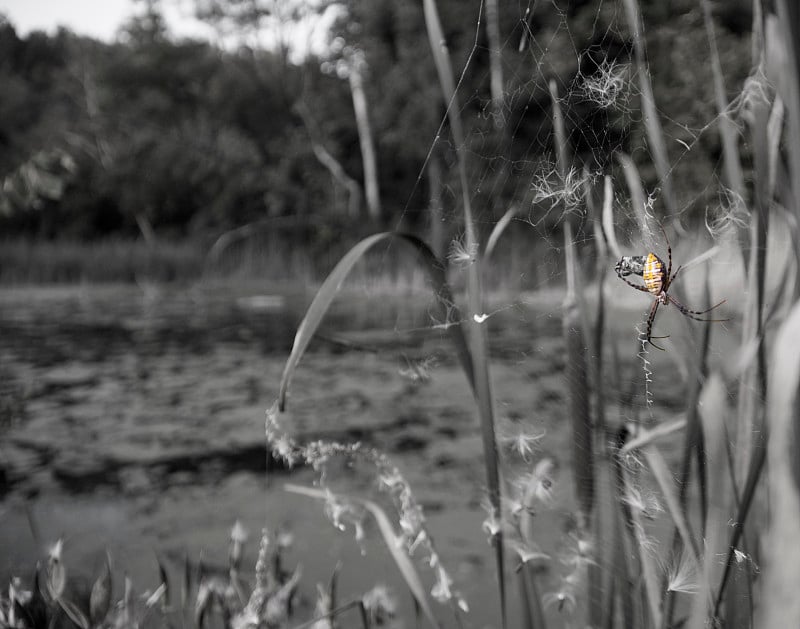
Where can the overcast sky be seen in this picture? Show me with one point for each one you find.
(102, 19)
(98, 18)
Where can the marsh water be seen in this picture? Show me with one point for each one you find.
(133, 423)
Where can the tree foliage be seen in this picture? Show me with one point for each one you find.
(192, 139)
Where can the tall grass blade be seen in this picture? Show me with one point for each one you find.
(601, 585)
(608, 218)
(748, 494)
(576, 374)
(478, 341)
(789, 89)
(642, 546)
(693, 449)
(575, 328)
(407, 569)
(664, 479)
(495, 57)
(599, 331)
(627, 555)
(441, 58)
(789, 84)
(330, 288)
(734, 178)
(750, 446)
(748, 394)
(525, 597)
(636, 190)
(527, 578)
(751, 428)
(531, 599)
(739, 599)
(764, 181)
(655, 134)
(560, 131)
(618, 595)
(606, 532)
(780, 604)
(713, 413)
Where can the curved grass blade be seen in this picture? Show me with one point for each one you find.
(498, 230)
(330, 288)
(407, 569)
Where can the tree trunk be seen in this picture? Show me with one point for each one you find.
(368, 156)
(333, 166)
(495, 58)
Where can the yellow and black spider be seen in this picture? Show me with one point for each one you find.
(658, 277)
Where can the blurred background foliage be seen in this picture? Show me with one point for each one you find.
(154, 137)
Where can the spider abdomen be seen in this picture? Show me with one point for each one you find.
(654, 274)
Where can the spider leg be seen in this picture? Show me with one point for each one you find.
(690, 313)
(650, 319)
(669, 254)
(671, 278)
(644, 289)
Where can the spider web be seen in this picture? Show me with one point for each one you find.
(580, 62)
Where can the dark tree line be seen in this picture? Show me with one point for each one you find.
(156, 136)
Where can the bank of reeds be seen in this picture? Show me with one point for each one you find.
(70, 262)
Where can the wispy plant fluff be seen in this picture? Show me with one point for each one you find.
(682, 575)
(607, 87)
(519, 442)
(413, 536)
(525, 497)
(564, 194)
(462, 253)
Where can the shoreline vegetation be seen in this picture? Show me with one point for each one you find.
(186, 261)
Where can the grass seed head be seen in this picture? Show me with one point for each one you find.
(682, 575)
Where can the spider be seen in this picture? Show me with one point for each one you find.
(658, 277)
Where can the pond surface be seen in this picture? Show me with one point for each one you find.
(133, 421)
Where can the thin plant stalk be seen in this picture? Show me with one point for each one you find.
(734, 178)
(477, 333)
(636, 190)
(714, 411)
(655, 134)
(638, 551)
(577, 380)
